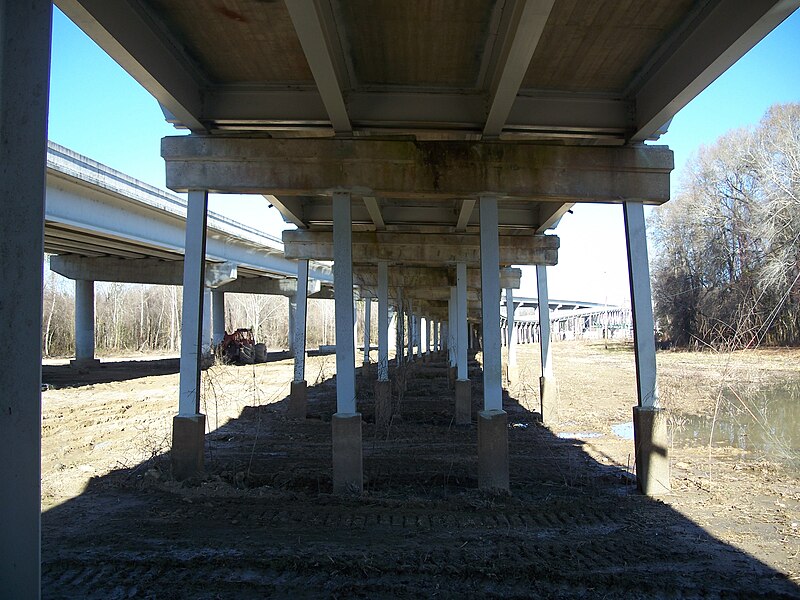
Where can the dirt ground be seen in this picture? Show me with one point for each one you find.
(262, 521)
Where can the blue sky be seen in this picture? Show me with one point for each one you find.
(98, 110)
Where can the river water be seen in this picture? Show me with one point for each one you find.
(765, 423)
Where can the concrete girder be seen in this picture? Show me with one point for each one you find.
(405, 169)
(160, 272)
(423, 249)
(431, 277)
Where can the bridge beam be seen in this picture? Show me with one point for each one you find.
(418, 169)
(24, 69)
(423, 249)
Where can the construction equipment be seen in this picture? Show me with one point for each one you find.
(238, 347)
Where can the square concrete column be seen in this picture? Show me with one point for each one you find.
(435, 346)
(218, 316)
(206, 335)
(188, 426)
(492, 420)
(346, 423)
(400, 348)
(547, 383)
(511, 335)
(84, 324)
(649, 422)
(383, 387)
(24, 69)
(367, 325)
(463, 408)
(292, 322)
(298, 395)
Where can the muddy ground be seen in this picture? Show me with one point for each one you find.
(263, 523)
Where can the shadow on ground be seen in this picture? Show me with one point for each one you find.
(108, 371)
(263, 523)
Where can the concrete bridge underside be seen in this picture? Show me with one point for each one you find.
(394, 136)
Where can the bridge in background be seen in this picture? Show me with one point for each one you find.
(102, 225)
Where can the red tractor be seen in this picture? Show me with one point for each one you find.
(239, 347)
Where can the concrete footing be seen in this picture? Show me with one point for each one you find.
(84, 363)
(188, 440)
(651, 444)
(547, 396)
(463, 402)
(298, 400)
(383, 402)
(348, 473)
(451, 376)
(493, 450)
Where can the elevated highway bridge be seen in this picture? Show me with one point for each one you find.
(396, 136)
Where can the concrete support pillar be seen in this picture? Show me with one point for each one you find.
(188, 426)
(383, 387)
(367, 325)
(292, 322)
(547, 383)
(400, 328)
(346, 423)
(425, 331)
(412, 330)
(417, 336)
(512, 334)
(298, 395)
(435, 347)
(206, 335)
(463, 408)
(218, 316)
(452, 336)
(84, 324)
(649, 421)
(24, 70)
(492, 420)
(383, 320)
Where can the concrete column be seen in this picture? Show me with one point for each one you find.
(412, 333)
(419, 332)
(298, 396)
(463, 408)
(24, 65)
(547, 383)
(383, 320)
(436, 326)
(512, 335)
(84, 324)
(452, 328)
(425, 330)
(400, 328)
(292, 322)
(218, 316)
(188, 426)
(206, 335)
(492, 420)
(383, 387)
(367, 325)
(346, 423)
(649, 421)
